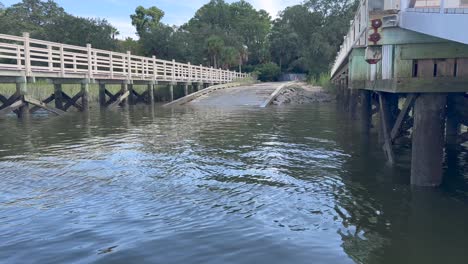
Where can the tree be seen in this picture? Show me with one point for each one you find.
(214, 45)
(30, 16)
(48, 21)
(144, 20)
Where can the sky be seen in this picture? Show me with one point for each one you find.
(177, 12)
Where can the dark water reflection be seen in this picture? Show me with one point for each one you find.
(286, 185)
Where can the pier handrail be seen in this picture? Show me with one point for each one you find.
(356, 36)
(35, 57)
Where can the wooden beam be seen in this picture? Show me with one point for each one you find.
(46, 101)
(72, 101)
(43, 106)
(12, 107)
(387, 140)
(402, 116)
(112, 97)
(3, 99)
(10, 100)
(120, 99)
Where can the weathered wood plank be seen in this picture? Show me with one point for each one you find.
(462, 67)
(46, 101)
(120, 99)
(12, 107)
(402, 116)
(42, 105)
(450, 50)
(425, 68)
(445, 68)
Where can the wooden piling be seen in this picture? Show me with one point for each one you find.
(186, 91)
(453, 125)
(131, 98)
(353, 103)
(385, 126)
(150, 92)
(123, 90)
(85, 95)
(102, 94)
(58, 96)
(171, 92)
(428, 139)
(22, 91)
(365, 110)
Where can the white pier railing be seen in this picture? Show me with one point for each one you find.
(357, 36)
(37, 58)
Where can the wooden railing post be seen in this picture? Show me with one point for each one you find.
(173, 70)
(155, 70)
(90, 60)
(27, 54)
(189, 72)
(201, 73)
(129, 65)
(50, 58)
(111, 64)
(211, 75)
(62, 61)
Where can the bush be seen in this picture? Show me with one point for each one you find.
(323, 80)
(268, 72)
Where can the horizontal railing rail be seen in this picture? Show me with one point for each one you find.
(357, 36)
(36, 57)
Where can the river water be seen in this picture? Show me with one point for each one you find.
(209, 185)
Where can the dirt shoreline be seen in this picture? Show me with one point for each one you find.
(303, 93)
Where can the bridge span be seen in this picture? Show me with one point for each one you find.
(24, 60)
(407, 61)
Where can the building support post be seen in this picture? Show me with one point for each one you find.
(123, 90)
(131, 97)
(85, 94)
(428, 140)
(353, 102)
(171, 92)
(453, 128)
(58, 96)
(365, 110)
(151, 92)
(22, 91)
(386, 124)
(186, 89)
(102, 94)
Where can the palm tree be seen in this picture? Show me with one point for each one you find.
(214, 46)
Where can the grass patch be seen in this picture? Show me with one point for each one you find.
(323, 80)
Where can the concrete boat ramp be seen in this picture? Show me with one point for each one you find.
(253, 95)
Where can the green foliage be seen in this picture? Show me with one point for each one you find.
(48, 21)
(145, 20)
(268, 72)
(323, 80)
(305, 38)
(219, 35)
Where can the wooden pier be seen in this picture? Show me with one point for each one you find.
(24, 60)
(412, 74)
